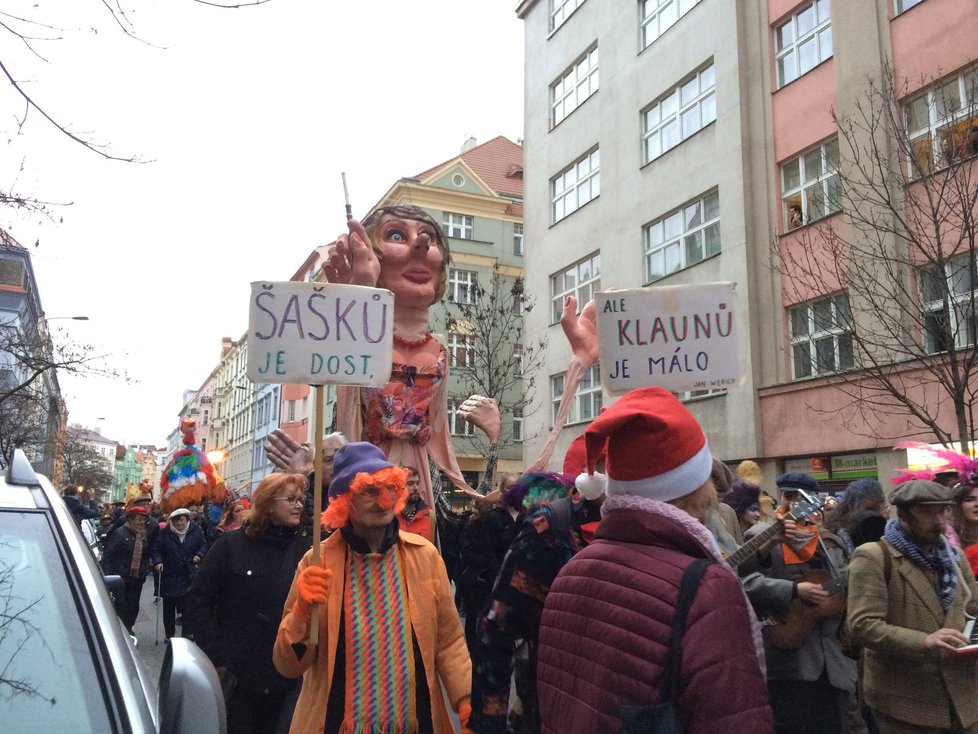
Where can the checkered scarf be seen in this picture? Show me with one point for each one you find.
(943, 560)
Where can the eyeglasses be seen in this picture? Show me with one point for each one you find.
(290, 500)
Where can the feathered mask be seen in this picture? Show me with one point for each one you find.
(965, 466)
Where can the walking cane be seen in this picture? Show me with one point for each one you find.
(157, 605)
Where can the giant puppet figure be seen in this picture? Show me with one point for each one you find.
(401, 248)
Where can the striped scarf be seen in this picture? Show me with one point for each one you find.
(380, 681)
(135, 565)
(943, 560)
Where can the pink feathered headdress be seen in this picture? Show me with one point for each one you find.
(965, 466)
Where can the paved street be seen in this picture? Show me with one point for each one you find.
(145, 629)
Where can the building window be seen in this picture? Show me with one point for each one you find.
(517, 239)
(810, 185)
(203, 445)
(207, 415)
(803, 41)
(458, 225)
(457, 425)
(940, 122)
(463, 286)
(658, 16)
(12, 272)
(574, 86)
(461, 349)
(954, 282)
(518, 359)
(682, 112)
(821, 336)
(587, 399)
(575, 186)
(683, 237)
(560, 10)
(900, 6)
(582, 279)
(517, 424)
(290, 411)
(519, 296)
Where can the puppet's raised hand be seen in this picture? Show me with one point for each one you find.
(351, 259)
(483, 413)
(581, 331)
(287, 454)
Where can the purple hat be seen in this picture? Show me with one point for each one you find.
(742, 495)
(350, 460)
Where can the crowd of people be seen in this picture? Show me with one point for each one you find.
(645, 587)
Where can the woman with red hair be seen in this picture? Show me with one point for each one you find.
(389, 635)
(236, 601)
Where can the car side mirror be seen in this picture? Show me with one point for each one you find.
(190, 698)
(115, 584)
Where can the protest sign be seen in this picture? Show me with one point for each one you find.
(320, 333)
(680, 337)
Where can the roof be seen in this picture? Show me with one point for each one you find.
(84, 434)
(498, 162)
(7, 242)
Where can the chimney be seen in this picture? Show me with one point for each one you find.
(469, 144)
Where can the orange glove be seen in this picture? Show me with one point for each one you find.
(313, 586)
(464, 714)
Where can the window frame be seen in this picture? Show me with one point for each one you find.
(645, 18)
(820, 29)
(681, 238)
(518, 239)
(902, 6)
(798, 195)
(702, 102)
(459, 344)
(469, 286)
(582, 72)
(517, 430)
(560, 8)
(584, 290)
(465, 227)
(455, 420)
(952, 127)
(957, 301)
(572, 187)
(588, 390)
(839, 326)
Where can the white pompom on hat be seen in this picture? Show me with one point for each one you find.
(655, 447)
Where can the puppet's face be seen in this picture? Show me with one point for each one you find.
(412, 261)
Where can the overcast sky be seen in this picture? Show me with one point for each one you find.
(245, 119)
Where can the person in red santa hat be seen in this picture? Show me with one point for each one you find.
(608, 618)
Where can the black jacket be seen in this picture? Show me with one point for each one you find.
(236, 600)
(177, 558)
(117, 557)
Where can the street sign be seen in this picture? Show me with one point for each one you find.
(680, 337)
(320, 333)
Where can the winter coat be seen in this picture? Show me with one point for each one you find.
(434, 621)
(117, 556)
(236, 599)
(483, 544)
(901, 677)
(771, 591)
(177, 559)
(607, 624)
(78, 510)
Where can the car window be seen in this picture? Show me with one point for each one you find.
(47, 675)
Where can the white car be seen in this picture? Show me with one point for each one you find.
(66, 662)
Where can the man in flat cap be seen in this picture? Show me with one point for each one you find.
(909, 596)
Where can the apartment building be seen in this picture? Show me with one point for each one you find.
(683, 141)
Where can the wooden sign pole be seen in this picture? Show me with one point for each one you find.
(317, 502)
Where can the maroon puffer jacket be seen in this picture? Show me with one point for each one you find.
(606, 628)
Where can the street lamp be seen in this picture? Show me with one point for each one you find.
(72, 318)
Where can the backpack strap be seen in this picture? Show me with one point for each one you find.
(687, 592)
(887, 560)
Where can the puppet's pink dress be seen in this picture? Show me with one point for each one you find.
(406, 418)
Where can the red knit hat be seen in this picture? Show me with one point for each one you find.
(655, 447)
